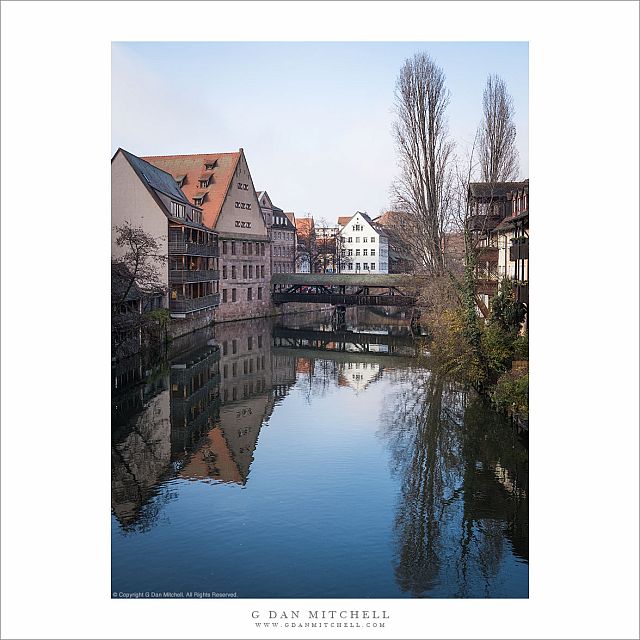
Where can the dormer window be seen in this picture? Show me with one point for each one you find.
(204, 181)
(177, 209)
(180, 181)
(198, 199)
(209, 166)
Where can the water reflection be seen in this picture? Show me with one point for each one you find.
(464, 488)
(449, 517)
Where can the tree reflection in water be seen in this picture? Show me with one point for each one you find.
(463, 476)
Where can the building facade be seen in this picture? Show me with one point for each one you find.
(282, 234)
(329, 245)
(490, 207)
(392, 224)
(221, 185)
(146, 197)
(364, 248)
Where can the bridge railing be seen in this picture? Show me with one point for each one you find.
(346, 299)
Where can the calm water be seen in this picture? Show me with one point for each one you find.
(268, 459)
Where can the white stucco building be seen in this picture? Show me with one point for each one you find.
(364, 249)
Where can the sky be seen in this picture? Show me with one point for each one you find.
(314, 118)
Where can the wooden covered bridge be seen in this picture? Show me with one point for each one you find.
(345, 290)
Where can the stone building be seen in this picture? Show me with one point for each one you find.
(282, 233)
(146, 197)
(220, 184)
(365, 247)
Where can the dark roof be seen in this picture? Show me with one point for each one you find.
(508, 222)
(495, 190)
(156, 178)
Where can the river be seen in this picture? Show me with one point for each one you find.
(279, 458)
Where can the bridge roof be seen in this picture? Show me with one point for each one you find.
(366, 280)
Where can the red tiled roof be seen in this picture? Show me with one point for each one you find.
(304, 226)
(193, 166)
(342, 220)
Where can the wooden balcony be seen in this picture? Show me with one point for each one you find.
(188, 305)
(177, 276)
(483, 222)
(193, 249)
(488, 254)
(487, 287)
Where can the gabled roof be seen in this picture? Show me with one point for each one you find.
(193, 166)
(291, 216)
(366, 217)
(155, 177)
(495, 190)
(158, 181)
(342, 220)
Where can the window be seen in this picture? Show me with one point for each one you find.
(357, 238)
(259, 342)
(250, 248)
(244, 271)
(257, 248)
(224, 348)
(251, 271)
(233, 249)
(259, 298)
(351, 266)
(357, 266)
(224, 272)
(177, 209)
(234, 296)
(349, 252)
(262, 248)
(224, 295)
(365, 251)
(373, 239)
(357, 252)
(234, 345)
(233, 271)
(373, 252)
(225, 371)
(365, 239)
(349, 239)
(262, 271)
(366, 266)
(210, 165)
(224, 247)
(250, 343)
(373, 266)
(249, 294)
(244, 248)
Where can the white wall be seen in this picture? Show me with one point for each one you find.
(365, 239)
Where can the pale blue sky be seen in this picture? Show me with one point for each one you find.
(313, 118)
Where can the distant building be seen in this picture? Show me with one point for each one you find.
(147, 197)
(400, 260)
(220, 184)
(282, 233)
(305, 245)
(328, 245)
(365, 248)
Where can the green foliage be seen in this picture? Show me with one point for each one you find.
(497, 350)
(161, 317)
(521, 348)
(511, 392)
(506, 311)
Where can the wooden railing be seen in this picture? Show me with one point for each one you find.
(187, 305)
(193, 249)
(195, 275)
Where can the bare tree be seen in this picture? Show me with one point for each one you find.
(497, 134)
(423, 191)
(141, 261)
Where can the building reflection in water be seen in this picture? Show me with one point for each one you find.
(463, 475)
(195, 414)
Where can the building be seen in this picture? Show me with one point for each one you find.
(365, 248)
(282, 234)
(392, 223)
(220, 184)
(328, 245)
(489, 205)
(512, 239)
(305, 245)
(146, 197)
